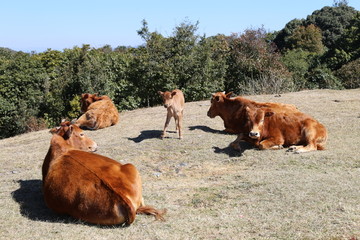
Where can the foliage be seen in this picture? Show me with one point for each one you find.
(254, 65)
(322, 77)
(298, 63)
(350, 74)
(281, 38)
(332, 21)
(307, 38)
(347, 46)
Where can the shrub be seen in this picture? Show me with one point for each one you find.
(349, 74)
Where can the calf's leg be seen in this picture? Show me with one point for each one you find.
(168, 117)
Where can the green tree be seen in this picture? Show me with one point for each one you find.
(332, 21)
(307, 38)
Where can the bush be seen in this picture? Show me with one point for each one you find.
(9, 121)
(349, 74)
(322, 77)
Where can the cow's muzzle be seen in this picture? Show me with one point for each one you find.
(254, 135)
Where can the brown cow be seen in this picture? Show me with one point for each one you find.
(174, 103)
(296, 130)
(233, 113)
(88, 186)
(99, 112)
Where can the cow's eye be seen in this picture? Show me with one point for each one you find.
(82, 134)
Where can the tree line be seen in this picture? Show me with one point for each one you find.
(37, 90)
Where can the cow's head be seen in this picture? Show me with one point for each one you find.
(167, 97)
(256, 117)
(87, 99)
(74, 136)
(217, 102)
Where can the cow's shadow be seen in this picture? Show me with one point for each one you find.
(232, 152)
(206, 129)
(30, 198)
(32, 205)
(146, 134)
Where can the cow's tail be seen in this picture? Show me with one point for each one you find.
(148, 210)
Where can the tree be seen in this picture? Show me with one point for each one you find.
(254, 65)
(339, 3)
(332, 21)
(307, 38)
(282, 37)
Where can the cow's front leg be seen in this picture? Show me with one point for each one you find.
(236, 144)
(271, 143)
(168, 117)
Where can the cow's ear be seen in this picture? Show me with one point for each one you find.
(161, 93)
(228, 95)
(217, 98)
(69, 132)
(54, 130)
(269, 114)
(173, 93)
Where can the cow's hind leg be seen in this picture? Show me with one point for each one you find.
(302, 149)
(86, 121)
(179, 125)
(309, 136)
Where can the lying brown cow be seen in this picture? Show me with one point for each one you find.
(233, 113)
(296, 130)
(174, 103)
(88, 186)
(99, 112)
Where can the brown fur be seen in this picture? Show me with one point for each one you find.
(88, 186)
(99, 112)
(174, 102)
(233, 113)
(296, 130)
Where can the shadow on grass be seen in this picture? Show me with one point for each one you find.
(31, 201)
(206, 129)
(147, 134)
(32, 205)
(231, 152)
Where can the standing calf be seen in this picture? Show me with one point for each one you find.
(174, 103)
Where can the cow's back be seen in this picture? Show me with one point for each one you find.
(77, 184)
(179, 100)
(104, 113)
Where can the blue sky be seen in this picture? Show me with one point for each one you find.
(38, 24)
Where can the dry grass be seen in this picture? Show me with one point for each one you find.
(210, 191)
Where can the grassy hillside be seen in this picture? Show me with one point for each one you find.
(210, 191)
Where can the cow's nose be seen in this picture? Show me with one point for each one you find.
(93, 148)
(254, 134)
(165, 106)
